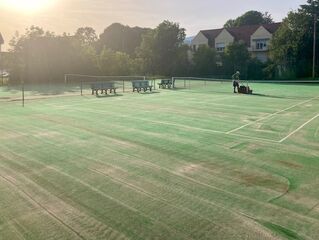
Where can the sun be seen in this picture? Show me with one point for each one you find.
(28, 5)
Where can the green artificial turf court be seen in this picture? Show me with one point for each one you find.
(194, 163)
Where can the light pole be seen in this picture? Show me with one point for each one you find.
(314, 6)
(1, 61)
(314, 46)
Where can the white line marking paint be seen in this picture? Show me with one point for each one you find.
(270, 115)
(264, 140)
(253, 138)
(298, 129)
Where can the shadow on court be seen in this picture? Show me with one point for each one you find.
(42, 89)
(148, 93)
(277, 97)
(108, 95)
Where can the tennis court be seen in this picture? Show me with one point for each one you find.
(196, 162)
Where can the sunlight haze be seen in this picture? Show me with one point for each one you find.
(67, 15)
(30, 6)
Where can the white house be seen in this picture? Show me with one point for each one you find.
(256, 37)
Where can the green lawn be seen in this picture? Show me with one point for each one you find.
(197, 163)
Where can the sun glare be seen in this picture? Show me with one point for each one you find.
(28, 5)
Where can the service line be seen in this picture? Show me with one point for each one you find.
(298, 129)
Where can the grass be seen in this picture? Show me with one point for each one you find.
(198, 163)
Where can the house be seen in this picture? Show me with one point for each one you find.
(256, 37)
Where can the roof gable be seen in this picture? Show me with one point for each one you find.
(272, 28)
(211, 35)
(242, 33)
(200, 38)
(224, 36)
(261, 32)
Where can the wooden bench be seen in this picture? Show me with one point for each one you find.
(141, 85)
(165, 83)
(104, 87)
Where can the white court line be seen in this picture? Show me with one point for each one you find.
(185, 126)
(298, 129)
(254, 138)
(270, 115)
(95, 100)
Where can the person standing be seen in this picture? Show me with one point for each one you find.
(236, 78)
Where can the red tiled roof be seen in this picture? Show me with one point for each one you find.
(242, 33)
(273, 27)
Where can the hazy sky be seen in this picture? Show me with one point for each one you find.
(67, 15)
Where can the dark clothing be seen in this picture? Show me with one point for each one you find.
(235, 78)
(235, 83)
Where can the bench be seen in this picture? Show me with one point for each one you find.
(166, 83)
(103, 87)
(141, 85)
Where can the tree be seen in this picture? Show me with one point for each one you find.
(43, 57)
(230, 23)
(255, 69)
(236, 58)
(159, 48)
(86, 35)
(118, 37)
(114, 63)
(204, 61)
(250, 18)
(292, 45)
(182, 65)
(146, 53)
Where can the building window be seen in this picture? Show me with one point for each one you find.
(261, 44)
(220, 47)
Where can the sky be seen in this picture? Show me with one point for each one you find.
(67, 15)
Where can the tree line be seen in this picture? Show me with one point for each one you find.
(43, 56)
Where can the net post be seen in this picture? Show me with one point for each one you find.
(185, 83)
(123, 85)
(173, 82)
(65, 79)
